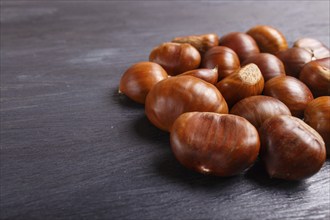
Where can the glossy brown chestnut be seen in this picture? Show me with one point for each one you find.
(294, 60)
(290, 149)
(216, 144)
(243, 44)
(291, 91)
(316, 75)
(202, 42)
(175, 95)
(256, 109)
(269, 65)
(224, 58)
(317, 115)
(138, 79)
(269, 39)
(176, 58)
(208, 75)
(248, 81)
(318, 49)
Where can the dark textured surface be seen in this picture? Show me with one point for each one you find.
(73, 148)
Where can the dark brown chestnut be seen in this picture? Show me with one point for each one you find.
(224, 58)
(294, 60)
(248, 81)
(209, 75)
(318, 49)
(269, 39)
(138, 79)
(175, 95)
(256, 109)
(216, 144)
(269, 65)
(243, 44)
(202, 42)
(316, 75)
(176, 58)
(317, 115)
(291, 91)
(290, 149)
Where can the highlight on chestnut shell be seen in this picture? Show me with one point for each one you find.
(176, 95)
(139, 78)
(256, 109)
(290, 149)
(208, 75)
(215, 144)
(318, 49)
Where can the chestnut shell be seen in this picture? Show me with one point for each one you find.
(317, 115)
(138, 79)
(290, 148)
(175, 95)
(217, 144)
(256, 109)
(291, 91)
(209, 75)
(175, 58)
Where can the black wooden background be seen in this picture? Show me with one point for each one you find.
(73, 148)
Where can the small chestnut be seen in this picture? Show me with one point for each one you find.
(222, 57)
(216, 144)
(269, 65)
(290, 149)
(202, 42)
(318, 49)
(269, 39)
(317, 115)
(291, 91)
(294, 60)
(316, 75)
(175, 95)
(209, 75)
(248, 81)
(243, 44)
(138, 79)
(256, 109)
(176, 58)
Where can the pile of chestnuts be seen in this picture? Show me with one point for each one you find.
(229, 100)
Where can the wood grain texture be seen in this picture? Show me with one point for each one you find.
(73, 148)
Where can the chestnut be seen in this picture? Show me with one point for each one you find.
(294, 60)
(248, 81)
(209, 75)
(316, 75)
(291, 91)
(175, 95)
(290, 149)
(138, 79)
(215, 144)
(318, 49)
(256, 109)
(317, 115)
(222, 57)
(176, 58)
(269, 65)
(269, 39)
(243, 44)
(202, 42)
